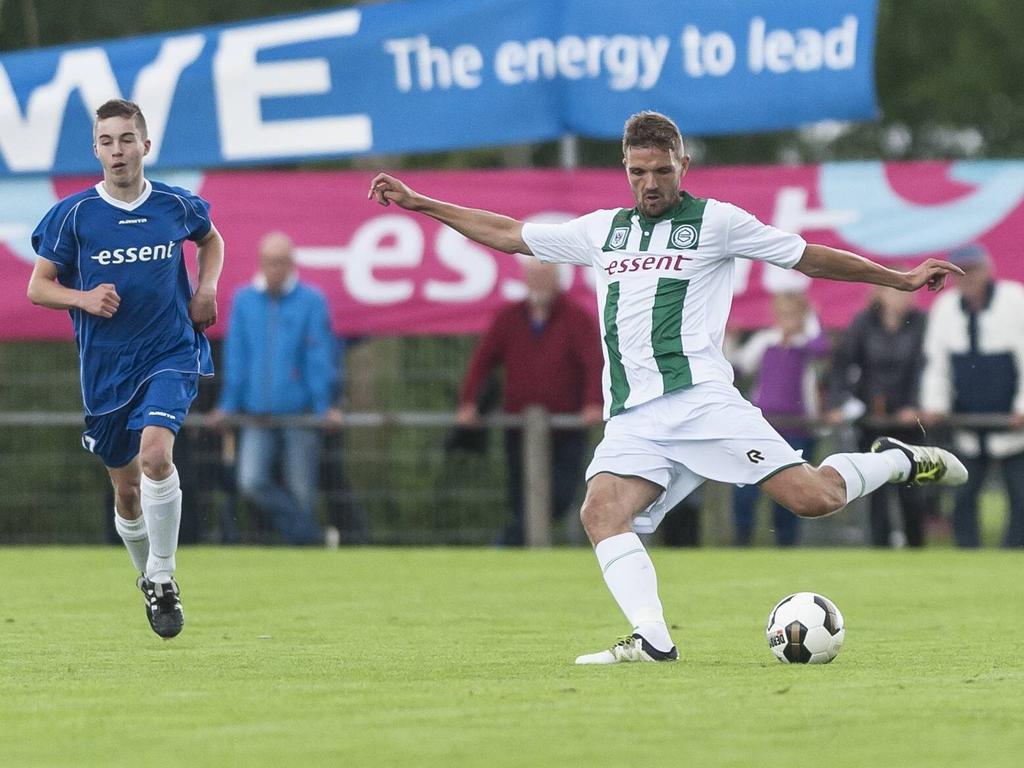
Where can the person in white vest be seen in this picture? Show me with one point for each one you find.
(974, 361)
(664, 276)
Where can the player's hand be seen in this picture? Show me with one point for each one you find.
(387, 189)
(101, 301)
(931, 272)
(202, 309)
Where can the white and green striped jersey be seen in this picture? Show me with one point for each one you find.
(664, 288)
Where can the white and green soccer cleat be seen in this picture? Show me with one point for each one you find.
(629, 648)
(927, 464)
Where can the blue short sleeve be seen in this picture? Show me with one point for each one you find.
(197, 214)
(54, 237)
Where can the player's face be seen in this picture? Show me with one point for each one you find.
(654, 174)
(120, 147)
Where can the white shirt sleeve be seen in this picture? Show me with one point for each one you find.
(568, 242)
(748, 238)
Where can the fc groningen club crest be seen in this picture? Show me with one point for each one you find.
(683, 236)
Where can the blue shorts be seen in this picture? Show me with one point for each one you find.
(162, 401)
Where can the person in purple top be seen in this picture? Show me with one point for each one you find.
(781, 360)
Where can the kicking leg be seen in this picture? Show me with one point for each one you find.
(842, 477)
(607, 514)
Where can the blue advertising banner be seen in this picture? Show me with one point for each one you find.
(434, 75)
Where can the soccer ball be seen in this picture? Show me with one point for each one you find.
(805, 628)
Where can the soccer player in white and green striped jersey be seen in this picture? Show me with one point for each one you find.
(664, 274)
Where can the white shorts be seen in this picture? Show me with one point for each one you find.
(679, 440)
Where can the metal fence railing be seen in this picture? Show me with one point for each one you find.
(388, 478)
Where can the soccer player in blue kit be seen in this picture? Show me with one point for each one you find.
(112, 256)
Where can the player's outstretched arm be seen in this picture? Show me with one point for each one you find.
(45, 291)
(202, 309)
(834, 264)
(491, 229)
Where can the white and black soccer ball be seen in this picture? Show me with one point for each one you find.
(805, 628)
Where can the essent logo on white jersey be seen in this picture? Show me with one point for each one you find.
(130, 255)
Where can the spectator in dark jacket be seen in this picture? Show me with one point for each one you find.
(876, 370)
(974, 349)
(550, 351)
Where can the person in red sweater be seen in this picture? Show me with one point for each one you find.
(549, 349)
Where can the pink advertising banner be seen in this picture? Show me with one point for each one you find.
(389, 272)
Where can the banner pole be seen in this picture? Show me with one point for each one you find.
(568, 152)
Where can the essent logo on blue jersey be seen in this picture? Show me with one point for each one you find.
(94, 238)
(130, 255)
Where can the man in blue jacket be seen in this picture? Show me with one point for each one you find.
(280, 360)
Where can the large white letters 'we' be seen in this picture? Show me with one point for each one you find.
(28, 143)
(241, 83)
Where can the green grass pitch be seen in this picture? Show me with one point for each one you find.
(463, 657)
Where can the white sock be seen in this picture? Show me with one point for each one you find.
(133, 534)
(629, 574)
(865, 472)
(161, 506)
(901, 466)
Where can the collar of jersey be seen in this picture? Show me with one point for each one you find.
(684, 201)
(147, 190)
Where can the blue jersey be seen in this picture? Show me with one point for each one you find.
(94, 239)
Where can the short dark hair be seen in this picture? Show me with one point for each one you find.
(652, 129)
(123, 108)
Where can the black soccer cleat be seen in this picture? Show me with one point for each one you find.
(163, 607)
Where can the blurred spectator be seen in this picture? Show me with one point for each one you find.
(549, 349)
(974, 350)
(876, 369)
(280, 360)
(785, 385)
